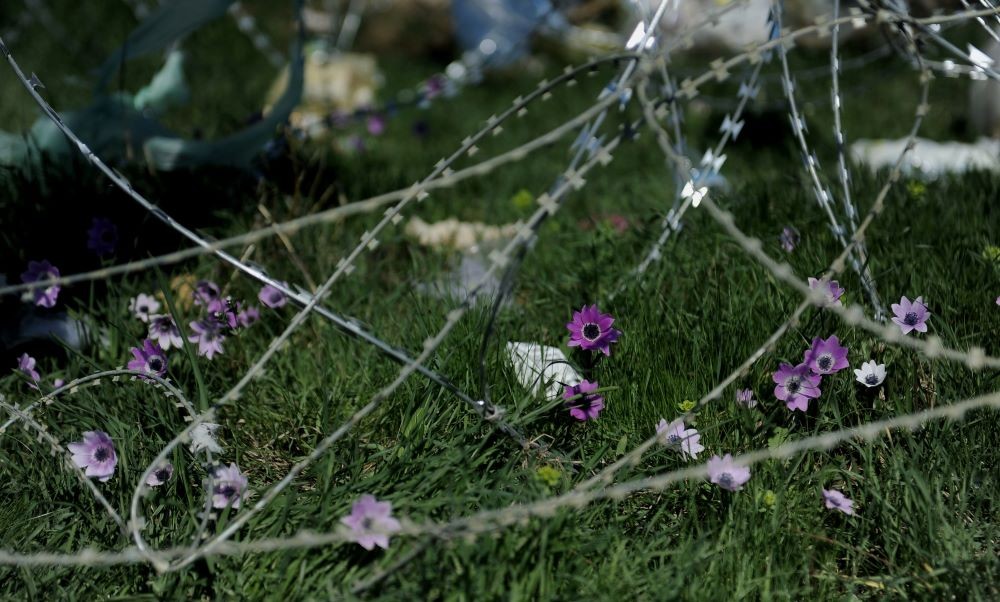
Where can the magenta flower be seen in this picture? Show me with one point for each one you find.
(26, 364)
(727, 474)
(371, 522)
(161, 475)
(149, 358)
(209, 337)
(911, 316)
(96, 453)
(143, 306)
(376, 125)
(205, 291)
(836, 500)
(102, 237)
(789, 238)
(582, 402)
(163, 330)
(744, 397)
(229, 486)
(40, 271)
(831, 291)
(796, 385)
(590, 329)
(675, 436)
(272, 297)
(826, 356)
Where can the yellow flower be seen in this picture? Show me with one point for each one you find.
(687, 405)
(549, 475)
(770, 499)
(522, 199)
(991, 253)
(916, 189)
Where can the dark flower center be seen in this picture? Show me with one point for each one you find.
(793, 384)
(824, 362)
(155, 363)
(367, 522)
(143, 309)
(910, 319)
(101, 454)
(673, 439)
(591, 331)
(276, 296)
(226, 490)
(162, 475)
(871, 379)
(726, 480)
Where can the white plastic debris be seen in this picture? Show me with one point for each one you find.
(203, 437)
(539, 367)
(454, 234)
(928, 158)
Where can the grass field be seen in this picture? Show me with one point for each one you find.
(927, 527)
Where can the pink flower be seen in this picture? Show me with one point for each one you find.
(826, 356)
(674, 435)
(831, 291)
(96, 453)
(590, 329)
(796, 385)
(582, 402)
(371, 522)
(836, 500)
(727, 474)
(911, 316)
(229, 487)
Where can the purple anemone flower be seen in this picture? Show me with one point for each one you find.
(371, 522)
(727, 474)
(796, 385)
(247, 316)
(582, 402)
(205, 291)
(39, 271)
(149, 358)
(102, 237)
(832, 292)
(96, 453)
(836, 500)
(789, 238)
(376, 125)
(911, 316)
(143, 306)
(590, 329)
(826, 356)
(164, 331)
(272, 297)
(209, 337)
(161, 475)
(674, 435)
(224, 311)
(26, 364)
(229, 486)
(744, 397)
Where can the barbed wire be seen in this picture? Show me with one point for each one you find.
(595, 150)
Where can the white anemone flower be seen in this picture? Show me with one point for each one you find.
(870, 374)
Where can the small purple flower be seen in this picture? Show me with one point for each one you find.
(143, 306)
(674, 435)
(789, 238)
(832, 292)
(164, 331)
(224, 312)
(911, 316)
(582, 402)
(229, 487)
(272, 297)
(39, 271)
(727, 474)
(376, 125)
(796, 385)
(149, 358)
(209, 337)
(836, 500)
(58, 383)
(96, 453)
(26, 364)
(102, 237)
(205, 291)
(590, 329)
(744, 397)
(161, 475)
(248, 316)
(826, 356)
(371, 522)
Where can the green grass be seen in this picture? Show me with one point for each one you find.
(928, 526)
